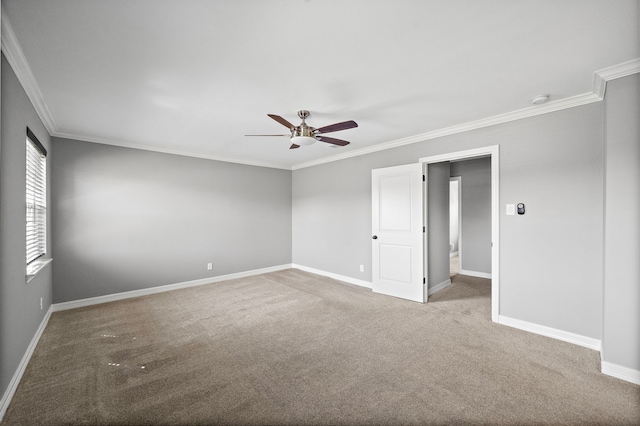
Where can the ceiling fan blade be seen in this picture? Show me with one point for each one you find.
(332, 140)
(336, 127)
(287, 135)
(282, 121)
(294, 146)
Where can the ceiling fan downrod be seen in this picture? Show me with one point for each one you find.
(303, 129)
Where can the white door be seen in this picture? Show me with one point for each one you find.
(397, 231)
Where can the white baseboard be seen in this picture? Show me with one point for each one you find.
(438, 287)
(338, 277)
(620, 372)
(17, 376)
(161, 289)
(565, 336)
(474, 273)
(453, 254)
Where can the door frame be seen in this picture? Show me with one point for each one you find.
(458, 180)
(494, 152)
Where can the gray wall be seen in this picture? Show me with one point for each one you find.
(438, 269)
(549, 162)
(621, 333)
(20, 313)
(127, 219)
(475, 250)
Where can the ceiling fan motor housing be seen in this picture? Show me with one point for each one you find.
(303, 129)
(302, 135)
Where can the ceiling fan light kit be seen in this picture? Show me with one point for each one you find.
(303, 140)
(305, 135)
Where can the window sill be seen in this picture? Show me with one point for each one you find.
(35, 267)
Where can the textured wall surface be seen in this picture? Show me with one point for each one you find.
(475, 253)
(551, 258)
(127, 219)
(621, 334)
(20, 312)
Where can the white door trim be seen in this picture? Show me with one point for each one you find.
(494, 152)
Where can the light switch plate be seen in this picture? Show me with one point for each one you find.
(511, 209)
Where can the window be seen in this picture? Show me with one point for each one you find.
(36, 197)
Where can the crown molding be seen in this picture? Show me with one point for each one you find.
(532, 111)
(13, 52)
(18, 62)
(624, 69)
(106, 141)
(599, 86)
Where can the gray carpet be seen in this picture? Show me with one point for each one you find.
(294, 348)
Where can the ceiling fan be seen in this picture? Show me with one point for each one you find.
(304, 134)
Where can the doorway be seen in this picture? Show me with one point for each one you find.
(493, 153)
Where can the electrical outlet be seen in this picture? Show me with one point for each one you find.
(209, 266)
(361, 268)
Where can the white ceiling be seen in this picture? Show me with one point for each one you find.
(195, 76)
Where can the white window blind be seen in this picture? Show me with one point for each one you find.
(36, 197)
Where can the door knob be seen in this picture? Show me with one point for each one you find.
(375, 237)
